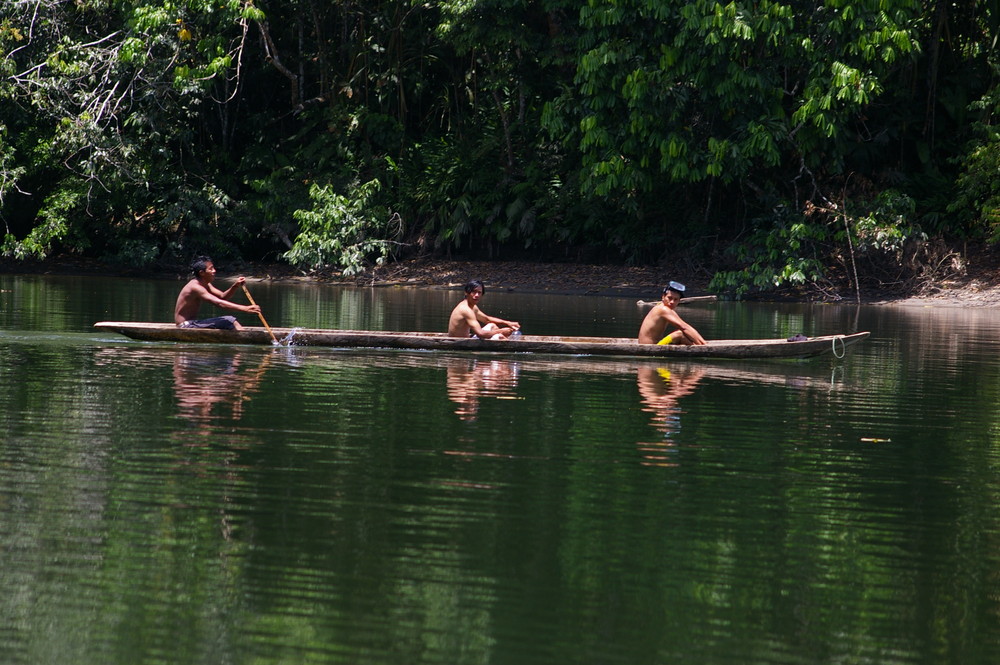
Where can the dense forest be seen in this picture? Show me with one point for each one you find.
(776, 142)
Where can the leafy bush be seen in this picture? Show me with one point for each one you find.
(343, 232)
(781, 251)
(53, 225)
(794, 250)
(977, 199)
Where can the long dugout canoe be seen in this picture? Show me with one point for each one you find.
(598, 346)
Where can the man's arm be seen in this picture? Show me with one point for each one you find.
(486, 318)
(225, 294)
(220, 301)
(688, 331)
(476, 318)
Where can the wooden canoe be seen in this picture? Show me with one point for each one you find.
(598, 346)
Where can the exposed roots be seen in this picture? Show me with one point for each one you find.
(936, 264)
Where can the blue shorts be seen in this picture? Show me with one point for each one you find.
(218, 322)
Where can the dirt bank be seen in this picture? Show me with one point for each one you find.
(977, 286)
(563, 278)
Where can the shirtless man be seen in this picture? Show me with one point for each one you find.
(662, 316)
(199, 290)
(467, 320)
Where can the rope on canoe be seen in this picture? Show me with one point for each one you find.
(843, 346)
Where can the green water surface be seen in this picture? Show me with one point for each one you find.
(169, 503)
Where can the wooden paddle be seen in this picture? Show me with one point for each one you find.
(260, 314)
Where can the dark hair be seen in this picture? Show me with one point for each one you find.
(473, 285)
(200, 263)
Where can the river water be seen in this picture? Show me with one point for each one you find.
(168, 503)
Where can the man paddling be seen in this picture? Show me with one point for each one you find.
(467, 320)
(662, 316)
(199, 290)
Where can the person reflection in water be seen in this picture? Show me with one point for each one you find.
(206, 380)
(207, 385)
(660, 389)
(469, 380)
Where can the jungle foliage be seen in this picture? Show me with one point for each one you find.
(780, 142)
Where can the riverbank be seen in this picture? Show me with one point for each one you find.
(977, 285)
(528, 277)
(525, 276)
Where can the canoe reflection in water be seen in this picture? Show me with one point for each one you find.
(204, 381)
(660, 389)
(470, 379)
